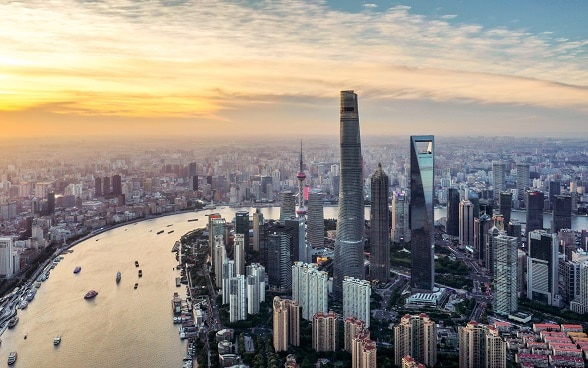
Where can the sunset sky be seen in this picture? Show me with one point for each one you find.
(195, 67)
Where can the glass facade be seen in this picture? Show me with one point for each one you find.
(422, 163)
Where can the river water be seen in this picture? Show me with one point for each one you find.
(121, 327)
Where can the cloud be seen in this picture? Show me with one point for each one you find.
(370, 5)
(449, 16)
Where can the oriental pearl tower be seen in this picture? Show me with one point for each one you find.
(301, 176)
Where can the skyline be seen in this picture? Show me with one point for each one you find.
(121, 68)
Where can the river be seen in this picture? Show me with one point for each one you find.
(121, 327)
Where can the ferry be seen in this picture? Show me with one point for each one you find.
(118, 277)
(194, 219)
(77, 269)
(160, 232)
(136, 263)
(90, 294)
(57, 340)
(169, 232)
(12, 357)
(13, 321)
(140, 273)
(136, 285)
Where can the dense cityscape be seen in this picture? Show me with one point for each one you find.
(472, 253)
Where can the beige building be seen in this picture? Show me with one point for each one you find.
(352, 327)
(324, 332)
(286, 323)
(480, 346)
(363, 351)
(416, 335)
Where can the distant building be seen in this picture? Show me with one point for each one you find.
(288, 206)
(242, 227)
(116, 185)
(466, 224)
(400, 225)
(380, 227)
(315, 220)
(97, 187)
(453, 200)
(325, 332)
(257, 229)
(480, 346)
(239, 254)
(356, 299)
(7, 264)
(286, 324)
(562, 213)
(506, 206)
(505, 275)
(523, 176)
(279, 265)
(499, 175)
(416, 335)
(534, 211)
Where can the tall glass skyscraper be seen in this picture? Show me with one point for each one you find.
(380, 227)
(350, 222)
(422, 164)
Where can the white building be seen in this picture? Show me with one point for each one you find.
(6, 256)
(228, 272)
(238, 299)
(239, 254)
(255, 287)
(220, 253)
(310, 289)
(356, 299)
(505, 274)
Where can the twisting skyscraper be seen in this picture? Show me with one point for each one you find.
(380, 227)
(422, 163)
(350, 222)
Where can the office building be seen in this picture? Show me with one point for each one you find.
(279, 262)
(352, 327)
(356, 299)
(239, 255)
(580, 302)
(453, 200)
(220, 254)
(506, 206)
(554, 189)
(571, 280)
(194, 182)
(505, 274)
(499, 175)
(422, 164)
(228, 273)
(349, 259)
(491, 247)
(51, 203)
(466, 224)
(116, 185)
(255, 287)
(258, 226)
(480, 346)
(562, 213)
(400, 225)
(288, 206)
(534, 205)
(542, 267)
(106, 186)
(238, 299)
(315, 220)
(7, 264)
(481, 227)
(286, 324)
(297, 229)
(310, 289)
(192, 169)
(242, 226)
(416, 335)
(363, 351)
(523, 176)
(380, 227)
(216, 227)
(324, 332)
(97, 187)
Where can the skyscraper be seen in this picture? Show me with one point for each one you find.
(356, 299)
(554, 189)
(416, 335)
(288, 206)
(237, 299)
(363, 351)
(506, 206)
(542, 267)
(255, 287)
(534, 207)
(257, 229)
(481, 227)
(116, 185)
(380, 227)
(505, 274)
(279, 265)
(216, 226)
(296, 227)
(324, 332)
(239, 254)
(310, 289)
(523, 175)
(498, 173)
(349, 259)
(422, 163)
(480, 346)
(352, 327)
(286, 323)
(7, 264)
(315, 219)
(242, 226)
(400, 231)
(220, 254)
(97, 187)
(453, 212)
(562, 213)
(466, 224)
(106, 185)
(227, 274)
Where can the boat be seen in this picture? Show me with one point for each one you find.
(23, 304)
(57, 340)
(169, 232)
(136, 285)
(140, 273)
(160, 232)
(12, 357)
(90, 294)
(77, 269)
(170, 225)
(194, 219)
(136, 263)
(178, 283)
(118, 276)
(12, 322)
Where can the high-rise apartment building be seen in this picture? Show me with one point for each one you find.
(400, 225)
(363, 351)
(523, 175)
(349, 259)
(257, 229)
(505, 274)
(534, 207)
(216, 227)
(453, 200)
(416, 335)
(356, 299)
(239, 249)
(491, 247)
(7, 264)
(310, 289)
(352, 327)
(288, 206)
(228, 273)
(562, 213)
(286, 323)
(220, 253)
(466, 224)
(242, 226)
(380, 227)
(480, 346)
(324, 332)
(422, 164)
(542, 267)
(279, 262)
(238, 299)
(255, 287)
(315, 219)
(499, 175)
